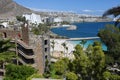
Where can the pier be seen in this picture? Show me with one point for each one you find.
(86, 38)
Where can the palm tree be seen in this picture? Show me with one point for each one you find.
(5, 54)
(64, 45)
(53, 46)
(21, 19)
(66, 50)
(83, 42)
(113, 11)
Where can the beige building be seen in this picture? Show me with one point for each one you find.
(31, 50)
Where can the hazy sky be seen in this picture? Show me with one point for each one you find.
(96, 7)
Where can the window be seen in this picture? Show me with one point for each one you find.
(45, 42)
(5, 34)
(46, 57)
(45, 49)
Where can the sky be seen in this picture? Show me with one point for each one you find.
(94, 7)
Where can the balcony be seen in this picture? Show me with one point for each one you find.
(24, 60)
(23, 44)
(26, 56)
(25, 51)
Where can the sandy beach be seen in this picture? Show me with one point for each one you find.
(59, 49)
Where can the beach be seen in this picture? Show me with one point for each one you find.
(59, 50)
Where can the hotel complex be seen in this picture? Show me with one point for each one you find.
(31, 49)
(33, 18)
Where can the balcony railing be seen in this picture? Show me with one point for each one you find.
(27, 61)
(26, 56)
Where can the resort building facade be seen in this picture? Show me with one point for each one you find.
(33, 18)
(31, 49)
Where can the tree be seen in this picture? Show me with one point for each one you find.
(16, 72)
(97, 60)
(65, 22)
(36, 75)
(89, 50)
(64, 45)
(89, 64)
(108, 76)
(111, 37)
(5, 45)
(21, 19)
(81, 62)
(66, 50)
(5, 54)
(53, 46)
(36, 31)
(109, 60)
(61, 66)
(58, 69)
(83, 42)
(71, 76)
(40, 29)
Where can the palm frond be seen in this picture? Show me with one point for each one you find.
(117, 22)
(113, 11)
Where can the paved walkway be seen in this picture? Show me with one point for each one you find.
(86, 38)
(1, 78)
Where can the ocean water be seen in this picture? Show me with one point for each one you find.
(90, 42)
(86, 29)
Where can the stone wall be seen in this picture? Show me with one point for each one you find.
(11, 34)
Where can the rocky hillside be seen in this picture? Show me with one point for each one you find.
(10, 9)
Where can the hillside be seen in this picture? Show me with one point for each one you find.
(10, 9)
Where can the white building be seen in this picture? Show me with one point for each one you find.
(58, 19)
(33, 18)
(5, 24)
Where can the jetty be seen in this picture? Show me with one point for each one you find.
(86, 38)
(72, 27)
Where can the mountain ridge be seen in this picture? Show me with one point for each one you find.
(10, 9)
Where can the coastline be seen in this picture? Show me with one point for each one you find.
(84, 33)
(54, 35)
(60, 26)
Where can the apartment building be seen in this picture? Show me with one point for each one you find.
(31, 50)
(33, 18)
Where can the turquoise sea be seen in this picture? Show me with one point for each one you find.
(91, 41)
(86, 29)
